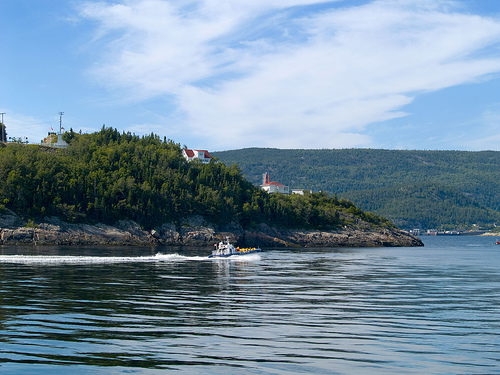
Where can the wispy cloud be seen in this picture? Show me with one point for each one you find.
(282, 73)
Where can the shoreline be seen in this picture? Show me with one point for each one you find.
(195, 232)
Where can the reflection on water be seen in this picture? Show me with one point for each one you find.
(399, 310)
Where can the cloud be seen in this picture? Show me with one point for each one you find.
(157, 46)
(283, 73)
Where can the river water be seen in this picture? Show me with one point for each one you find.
(430, 310)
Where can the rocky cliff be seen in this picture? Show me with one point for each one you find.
(193, 232)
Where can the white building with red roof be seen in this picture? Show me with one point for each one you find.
(201, 155)
(273, 187)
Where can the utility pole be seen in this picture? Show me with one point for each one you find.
(3, 133)
(60, 122)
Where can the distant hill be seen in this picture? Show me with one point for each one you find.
(415, 189)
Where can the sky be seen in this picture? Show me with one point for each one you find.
(230, 74)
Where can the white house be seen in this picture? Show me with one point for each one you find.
(273, 187)
(202, 155)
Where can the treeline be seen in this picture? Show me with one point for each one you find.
(110, 176)
(427, 205)
(421, 189)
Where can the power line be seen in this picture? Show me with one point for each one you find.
(27, 123)
(31, 126)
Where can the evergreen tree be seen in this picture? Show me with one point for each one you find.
(109, 176)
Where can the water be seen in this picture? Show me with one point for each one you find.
(431, 310)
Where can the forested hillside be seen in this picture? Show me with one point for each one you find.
(109, 176)
(421, 189)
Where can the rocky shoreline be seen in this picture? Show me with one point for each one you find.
(194, 232)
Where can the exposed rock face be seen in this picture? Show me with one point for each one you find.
(273, 237)
(195, 231)
(53, 231)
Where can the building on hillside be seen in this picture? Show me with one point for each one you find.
(201, 155)
(272, 186)
(55, 140)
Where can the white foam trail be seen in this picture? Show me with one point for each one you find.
(176, 257)
(245, 258)
(69, 259)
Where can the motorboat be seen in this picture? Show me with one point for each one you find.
(227, 249)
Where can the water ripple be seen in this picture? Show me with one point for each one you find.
(318, 311)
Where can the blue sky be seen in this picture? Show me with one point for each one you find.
(229, 74)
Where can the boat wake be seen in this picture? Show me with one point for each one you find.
(238, 258)
(177, 257)
(70, 259)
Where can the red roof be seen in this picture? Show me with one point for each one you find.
(190, 153)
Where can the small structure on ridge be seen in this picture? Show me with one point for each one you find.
(272, 186)
(202, 155)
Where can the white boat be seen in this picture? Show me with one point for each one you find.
(226, 249)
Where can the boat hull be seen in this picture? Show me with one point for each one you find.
(237, 253)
